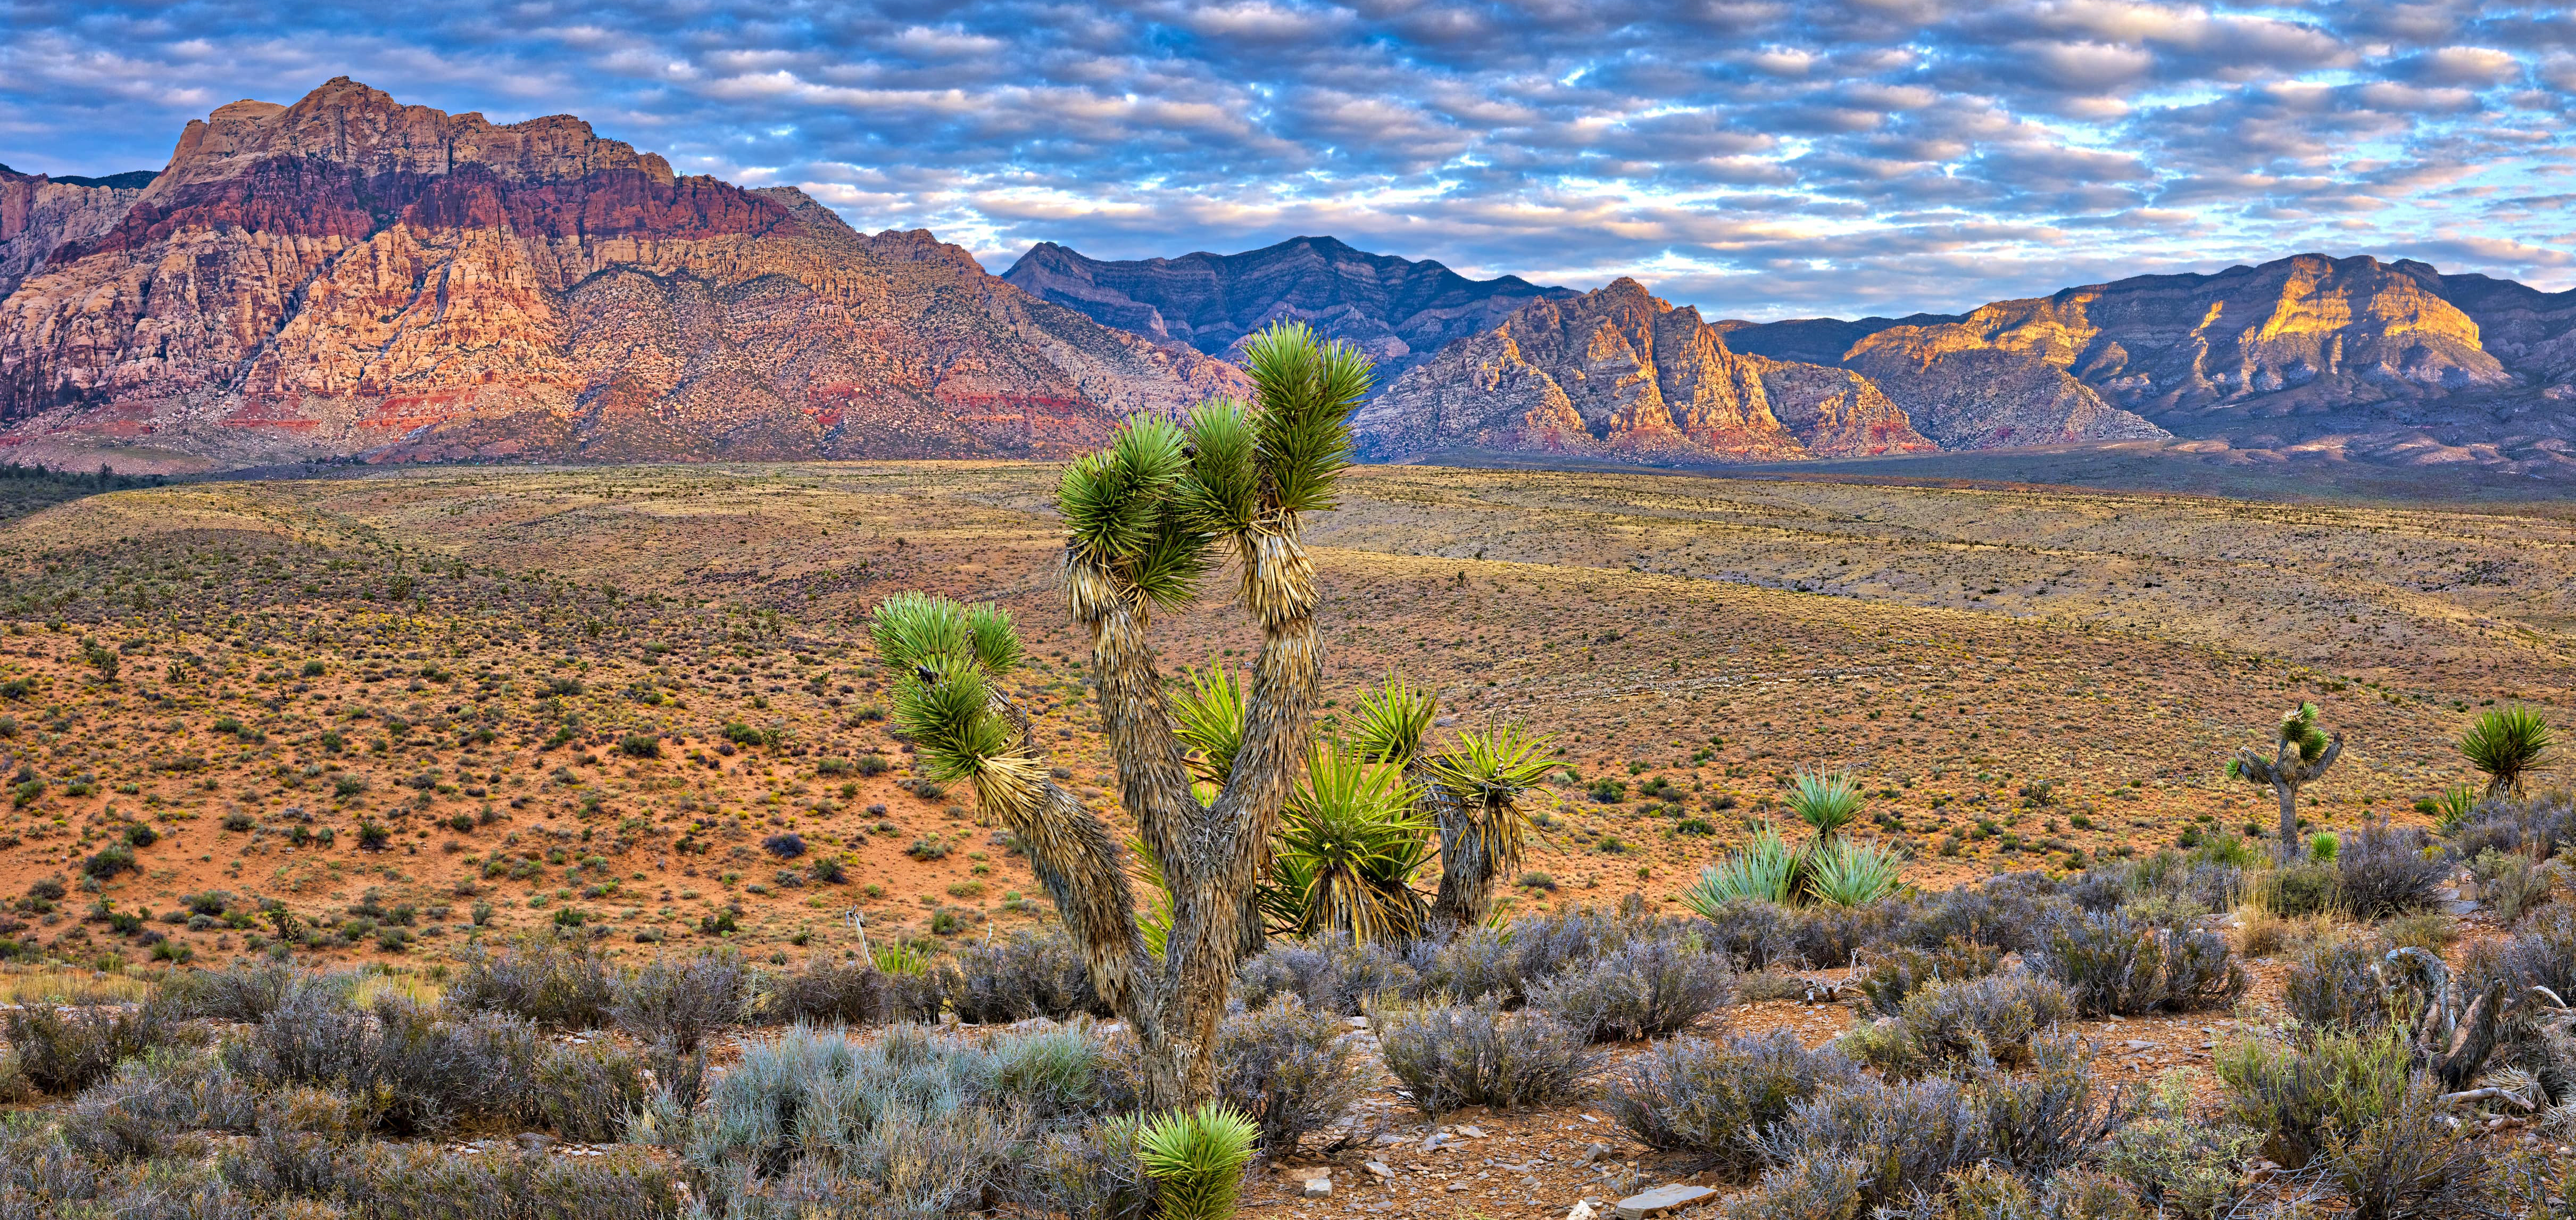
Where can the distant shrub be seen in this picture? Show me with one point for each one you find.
(927, 849)
(111, 860)
(1456, 1055)
(784, 846)
(242, 992)
(640, 745)
(2384, 870)
(2116, 966)
(827, 991)
(1025, 976)
(681, 1001)
(1331, 973)
(2333, 984)
(1644, 988)
(551, 982)
(64, 1050)
(871, 764)
(1716, 1098)
(1898, 973)
(2300, 890)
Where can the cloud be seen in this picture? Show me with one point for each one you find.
(1756, 158)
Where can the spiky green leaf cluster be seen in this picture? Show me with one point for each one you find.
(1196, 1158)
(1307, 392)
(2299, 728)
(1826, 802)
(1389, 722)
(1121, 509)
(1348, 850)
(1488, 772)
(1764, 868)
(1208, 714)
(1845, 873)
(2508, 743)
(945, 655)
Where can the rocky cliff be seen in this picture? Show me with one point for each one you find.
(349, 275)
(38, 214)
(1619, 374)
(1399, 311)
(2375, 359)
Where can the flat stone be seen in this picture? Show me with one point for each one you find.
(2461, 907)
(1319, 1188)
(1593, 1152)
(1473, 1133)
(1660, 1200)
(1379, 1168)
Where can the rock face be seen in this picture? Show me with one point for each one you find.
(348, 275)
(2379, 359)
(1399, 311)
(1619, 374)
(38, 213)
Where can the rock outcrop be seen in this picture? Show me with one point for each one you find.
(38, 214)
(349, 275)
(1619, 374)
(1399, 311)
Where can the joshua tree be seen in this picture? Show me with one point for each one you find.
(1146, 520)
(2300, 753)
(2508, 744)
(1475, 797)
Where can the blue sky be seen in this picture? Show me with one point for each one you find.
(1757, 160)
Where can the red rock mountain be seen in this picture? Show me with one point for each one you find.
(1620, 374)
(38, 214)
(349, 275)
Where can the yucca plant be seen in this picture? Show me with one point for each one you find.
(1765, 867)
(1208, 715)
(1389, 721)
(898, 959)
(1825, 802)
(1475, 791)
(2508, 744)
(1348, 851)
(2301, 752)
(1849, 874)
(1196, 1158)
(1147, 517)
(2451, 809)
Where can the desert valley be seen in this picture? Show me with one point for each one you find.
(537, 685)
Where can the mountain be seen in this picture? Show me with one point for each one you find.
(2377, 360)
(1399, 311)
(39, 213)
(1619, 374)
(350, 275)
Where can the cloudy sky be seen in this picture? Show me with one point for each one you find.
(1758, 160)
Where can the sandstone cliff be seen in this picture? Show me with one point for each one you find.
(1399, 311)
(38, 213)
(1619, 374)
(348, 275)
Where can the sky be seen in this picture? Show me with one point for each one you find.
(1758, 160)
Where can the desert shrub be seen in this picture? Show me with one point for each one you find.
(1810, 1188)
(1905, 1136)
(1976, 1022)
(242, 992)
(2011, 911)
(1472, 965)
(2334, 984)
(2513, 886)
(681, 1001)
(2300, 890)
(847, 992)
(1714, 1098)
(1988, 1192)
(1899, 972)
(1331, 973)
(2299, 1097)
(2414, 1160)
(1291, 1069)
(2539, 827)
(1092, 1172)
(2432, 931)
(386, 1181)
(409, 1070)
(784, 846)
(2542, 953)
(1025, 976)
(149, 1101)
(1649, 987)
(1542, 946)
(582, 1092)
(2382, 870)
(64, 1050)
(2188, 1166)
(2051, 1115)
(556, 983)
(1455, 1055)
(2116, 966)
(912, 1122)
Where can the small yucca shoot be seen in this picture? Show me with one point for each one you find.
(1849, 874)
(2508, 744)
(1766, 867)
(1197, 1157)
(1826, 802)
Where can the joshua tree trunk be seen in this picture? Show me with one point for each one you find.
(1466, 895)
(1142, 517)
